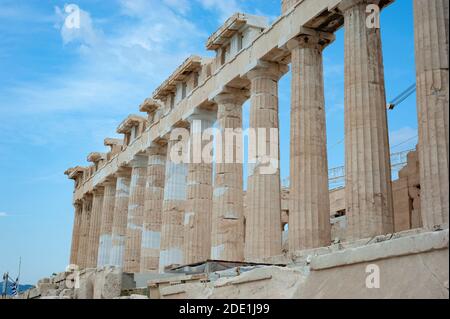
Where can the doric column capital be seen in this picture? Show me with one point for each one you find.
(232, 95)
(156, 149)
(87, 200)
(78, 204)
(98, 191)
(87, 196)
(109, 181)
(310, 38)
(139, 161)
(96, 157)
(123, 171)
(201, 115)
(348, 4)
(268, 70)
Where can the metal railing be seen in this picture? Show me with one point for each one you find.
(336, 175)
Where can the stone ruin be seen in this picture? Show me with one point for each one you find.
(148, 227)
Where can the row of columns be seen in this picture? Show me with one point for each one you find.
(160, 213)
(168, 213)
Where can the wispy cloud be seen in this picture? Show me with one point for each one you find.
(3, 214)
(181, 6)
(225, 9)
(112, 72)
(114, 69)
(85, 32)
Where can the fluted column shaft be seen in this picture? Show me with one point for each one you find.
(174, 205)
(105, 241)
(119, 228)
(76, 233)
(309, 205)
(132, 259)
(84, 231)
(227, 240)
(94, 227)
(431, 47)
(263, 219)
(368, 191)
(154, 196)
(197, 217)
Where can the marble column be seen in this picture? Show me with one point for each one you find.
(368, 191)
(94, 227)
(84, 231)
(174, 205)
(227, 239)
(154, 196)
(263, 218)
(105, 241)
(197, 217)
(76, 232)
(132, 259)
(431, 47)
(119, 227)
(309, 205)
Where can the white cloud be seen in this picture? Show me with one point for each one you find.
(136, 7)
(181, 6)
(225, 8)
(119, 61)
(114, 69)
(84, 32)
(3, 214)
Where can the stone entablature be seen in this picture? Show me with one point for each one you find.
(288, 4)
(153, 109)
(99, 159)
(132, 127)
(237, 33)
(115, 146)
(180, 83)
(76, 174)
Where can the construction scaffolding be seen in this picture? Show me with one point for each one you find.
(336, 175)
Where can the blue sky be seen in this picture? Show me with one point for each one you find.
(62, 92)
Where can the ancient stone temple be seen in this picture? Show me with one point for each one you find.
(152, 204)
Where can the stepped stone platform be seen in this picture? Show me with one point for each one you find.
(411, 264)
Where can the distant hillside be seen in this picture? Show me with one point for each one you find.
(22, 288)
